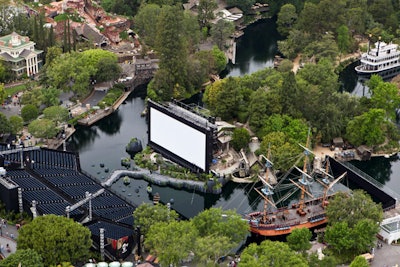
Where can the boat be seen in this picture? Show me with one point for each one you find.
(149, 189)
(382, 57)
(280, 216)
(156, 198)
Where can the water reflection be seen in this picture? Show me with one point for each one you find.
(256, 49)
(112, 125)
(380, 168)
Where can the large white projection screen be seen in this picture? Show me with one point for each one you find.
(179, 138)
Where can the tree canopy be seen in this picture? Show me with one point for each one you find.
(55, 239)
(270, 253)
(24, 257)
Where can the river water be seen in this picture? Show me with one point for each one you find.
(104, 142)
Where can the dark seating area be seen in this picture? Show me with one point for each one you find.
(53, 158)
(53, 180)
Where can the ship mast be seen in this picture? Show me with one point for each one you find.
(303, 180)
(266, 192)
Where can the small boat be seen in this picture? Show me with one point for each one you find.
(156, 198)
(126, 180)
(382, 57)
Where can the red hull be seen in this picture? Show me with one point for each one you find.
(269, 230)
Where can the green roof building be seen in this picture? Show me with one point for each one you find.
(21, 54)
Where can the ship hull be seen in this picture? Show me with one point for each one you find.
(267, 231)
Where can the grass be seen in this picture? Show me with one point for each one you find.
(15, 89)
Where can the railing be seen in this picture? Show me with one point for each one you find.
(372, 180)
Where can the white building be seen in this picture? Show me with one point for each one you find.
(21, 54)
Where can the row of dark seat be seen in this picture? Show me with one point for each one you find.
(53, 158)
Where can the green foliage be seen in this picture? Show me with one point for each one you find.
(353, 224)
(23, 257)
(33, 96)
(5, 126)
(56, 114)
(56, 239)
(359, 261)
(209, 249)
(215, 221)
(29, 112)
(147, 215)
(242, 4)
(144, 23)
(269, 253)
(240, 138)
(219, 59)
(16, 123)
(299, 239)
(368, 128)
(171, 241)
(206, 10)
(287, 17)
(50, 96)
(42, 128)
(220, 33)
(107, 69)
(384, 95)
(112, 95)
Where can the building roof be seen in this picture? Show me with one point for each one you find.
(87, 32)
(14, 40)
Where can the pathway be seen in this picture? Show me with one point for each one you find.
(6, 234)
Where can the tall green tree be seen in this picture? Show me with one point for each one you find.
(147, 215)
(144, 23)
(209, 249)
(16, 123)
(359, 261)
(206, 10)
(170, 81)
(240, 139)
(299, 239)
(286, 20)
(29, 112)
(5, 126)
(343, 39)
(270, 254)
(56, 114)
(218, 222)
(23, 257)
(369, 128)
(42, 128)
(56, 239)
(171, 241)
(384, 95)
(353, 223)
(220, 33)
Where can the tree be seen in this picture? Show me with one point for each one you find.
(56, 114)
(2, 91)
(359, 261)
(107, 69)
(147, 214)
(56, 239)
(220, 33)
(299, 239)
(240, 138)
(384, 95)
(144, 23)
(5, 126)
(269, 253)
(23, 257)
(206, 10)
(287, 17)
(50, 96)
(170, 80)
(209, 249)
(353, 208)
(42, 128)
(219, 60)
(32, 97)
(3, 74)
(215, 221)
(16, 123)
(29, 112)
(368, 128)
(353, 224)
(171, 241)
(343, 39)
